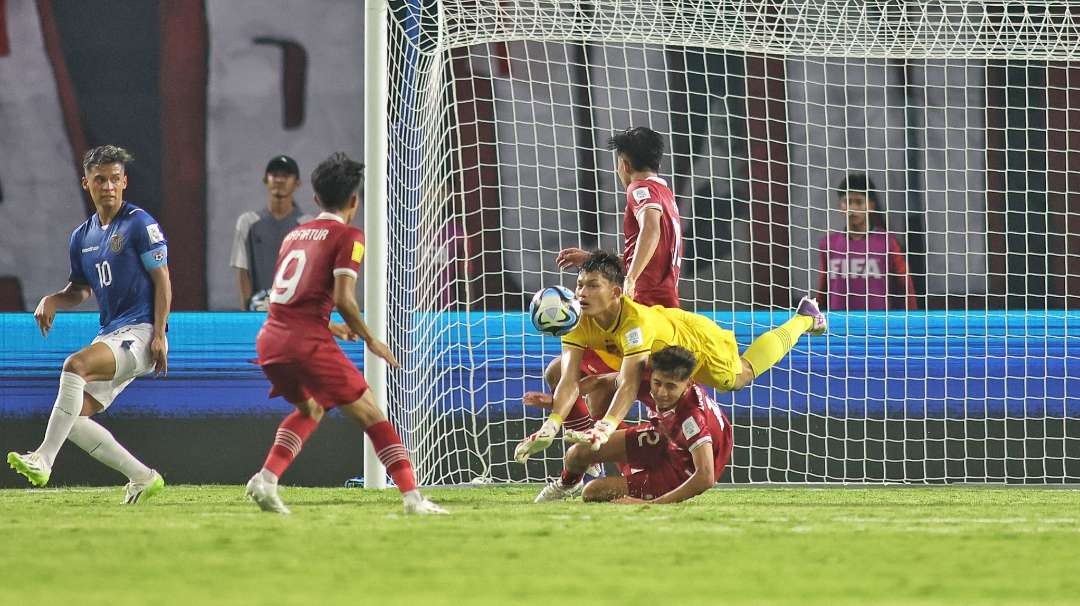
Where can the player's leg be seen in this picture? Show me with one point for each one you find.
(576, 461)
(289, 439)
(293, 431)
(99, 443)
(391, 452)
(578, 418)
(605, 489)
(646, 452)
(130, 347)
(93, 363)
(771, 347)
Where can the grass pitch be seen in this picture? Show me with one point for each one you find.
(196, 545)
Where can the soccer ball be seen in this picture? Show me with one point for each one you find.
(554, 311)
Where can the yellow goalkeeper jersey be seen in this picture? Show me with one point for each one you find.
(641, 329)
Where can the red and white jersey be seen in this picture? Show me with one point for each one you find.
(310, 257)
(658, 284)
(694, 422)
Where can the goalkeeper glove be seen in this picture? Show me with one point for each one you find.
(539, 440)
(595, 437)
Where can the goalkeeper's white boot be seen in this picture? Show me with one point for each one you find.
(536, 442)
(809, 307)
(265, 495)
(419, 505)
(555, 491)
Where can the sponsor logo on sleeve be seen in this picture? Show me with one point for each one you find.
(641, 193)
(357, 252)
(634, 338)
(690, 428)
(159, 255)
(154, 233)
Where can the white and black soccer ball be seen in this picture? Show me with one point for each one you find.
(554, 310)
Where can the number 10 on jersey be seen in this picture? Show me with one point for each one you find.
(104, 273)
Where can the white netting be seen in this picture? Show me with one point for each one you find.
(960, 112)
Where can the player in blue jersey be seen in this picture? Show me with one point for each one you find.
(120, 255)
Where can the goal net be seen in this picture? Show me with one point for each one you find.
(964, 115)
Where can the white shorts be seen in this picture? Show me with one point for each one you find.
(131, 348)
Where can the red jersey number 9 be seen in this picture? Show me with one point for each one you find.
(288, 277)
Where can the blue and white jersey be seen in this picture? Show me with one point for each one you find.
(115, 261)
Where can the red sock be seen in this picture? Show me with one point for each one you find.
(570, 479)
(291, 434)
(578, 418)
(392, 454)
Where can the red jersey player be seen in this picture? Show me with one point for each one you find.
(651, 256)
(680, 453)
(316, 270)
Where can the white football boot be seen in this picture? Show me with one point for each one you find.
(265, 495)
(137, 492)
(31, 465)
(423, 507)
(555, 491)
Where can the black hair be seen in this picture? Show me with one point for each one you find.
(859, 183)
(674, 360)
(106, 154)
(610, 266)
(642, 146)
(335, 179)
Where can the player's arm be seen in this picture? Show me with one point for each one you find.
(569, 258)
(345, 301)
(702, 479)
(566, 392)
(70, 296)
(239, 256)
(649, 220)
(76, 291)
(901, 286)
(822, 293)
(243, 281)
(628, 382)
(159, 345)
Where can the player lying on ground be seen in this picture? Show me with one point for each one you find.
(613, 323)
(120, 254)
(317, 269)
(678, 454)
(651, 257)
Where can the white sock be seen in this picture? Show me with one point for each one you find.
(413, 496)
(66, 409)
(268, 476)
(99, 443)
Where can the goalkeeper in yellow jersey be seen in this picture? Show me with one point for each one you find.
(624, 333)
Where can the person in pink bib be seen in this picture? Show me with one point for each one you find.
(863, 267)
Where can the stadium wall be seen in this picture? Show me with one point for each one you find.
(915, 379)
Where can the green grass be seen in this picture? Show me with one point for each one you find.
(207, 545)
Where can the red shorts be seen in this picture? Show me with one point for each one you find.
(592, 364)
(312, 369)
(656, 467)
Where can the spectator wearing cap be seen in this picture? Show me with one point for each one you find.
(259, 233)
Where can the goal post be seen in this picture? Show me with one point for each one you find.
(963, 114)
(375, 216)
